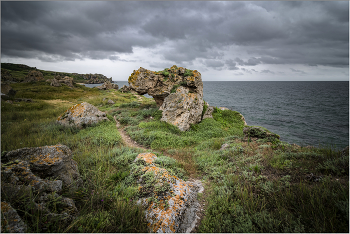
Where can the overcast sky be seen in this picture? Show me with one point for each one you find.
(229, 40)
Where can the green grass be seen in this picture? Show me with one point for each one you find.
(253, 185)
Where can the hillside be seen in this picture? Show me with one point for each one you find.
(18, 72)
(251, 183)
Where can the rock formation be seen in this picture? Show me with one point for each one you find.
(56, 82)
(34, 76)
(43, 172)
(6, 76)
(259, 132)
(124, 89)
(182, 108)
(171, 203)
(164, 86)
(7, 90)
(108, 85)
(95, 78)
(81, 115)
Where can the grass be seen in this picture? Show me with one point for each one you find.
(253, 185)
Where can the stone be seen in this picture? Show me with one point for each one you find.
(81, 115)
(7, 90)
(68, 81)
(55, 83)
(108, 85)
(259, 132)
(159, 85)
(6, 76)
(164, 86)
(209, 112)
(182, 108)
(41, 174)
(224, 146)
(110, 102)
(171, 203)
(34, 76)
(10, 220)
(124, 89)
(46, 162)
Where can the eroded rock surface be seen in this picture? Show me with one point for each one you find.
(36, 177)
(81, 115)
(34, 76)
(182, 108)
(108, 85)
(171, 203)
(163, 86)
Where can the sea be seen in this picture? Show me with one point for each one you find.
(306, 113)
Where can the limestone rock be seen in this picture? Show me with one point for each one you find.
(45, 172)
(10, 220)
(68, 81)
(164, 88)
(110, 102)
(6, 76)
(47, 162)
(259, 132)
(171, 203)
(81, 115)
(124, 89)
(160, 84)
(7, 90)
(55, 83)
(108, 85)
(34, 76)
(182, 108)
(209, 112)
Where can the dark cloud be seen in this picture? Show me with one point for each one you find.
(298, 71)
(267, 72)
(309, 33)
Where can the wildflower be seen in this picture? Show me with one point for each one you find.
(102, 200)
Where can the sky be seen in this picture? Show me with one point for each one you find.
(223, 40)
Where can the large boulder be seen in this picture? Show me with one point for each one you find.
(166, 83)
(124, 89)
(55, 83)
(82, 115)
(36, 178)
(171, 203)
(34, 76)
(108, 85)
(159, 85)
(182, 108)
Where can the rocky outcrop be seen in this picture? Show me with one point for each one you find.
(171, 203)
(163, 86)
(108, 85)
(124, 89)
(182, 108)
(95, 78)
(81, 115)
(7, 90)
(55, 83)
(209, 112)
(259, 132)
(35, 177)
(6, 76)
(34, 76)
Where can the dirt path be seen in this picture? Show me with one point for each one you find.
(126, 139)
(202, 201)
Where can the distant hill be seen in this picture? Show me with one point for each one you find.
(17, 73)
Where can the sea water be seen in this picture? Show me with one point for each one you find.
(301, 112)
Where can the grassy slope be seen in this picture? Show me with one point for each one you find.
(252, 186)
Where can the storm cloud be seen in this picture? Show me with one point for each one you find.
(218, 35)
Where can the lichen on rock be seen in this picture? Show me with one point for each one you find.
(81, 115)
(171, 203)
(163, 86)
(35, 177)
